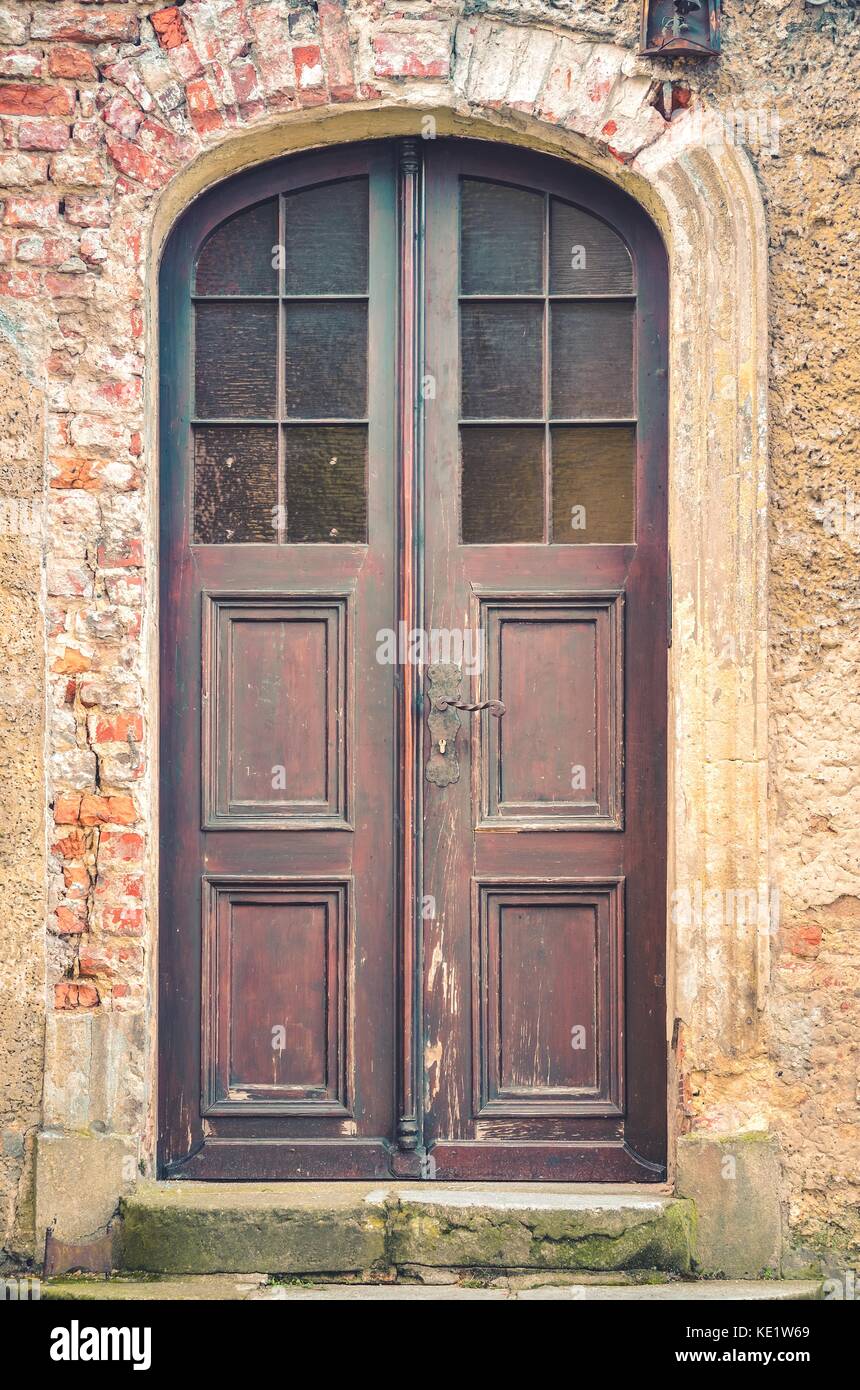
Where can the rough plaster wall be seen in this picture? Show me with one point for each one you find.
(802, 65)
(805, 65)
(153, 104)
(22, 847)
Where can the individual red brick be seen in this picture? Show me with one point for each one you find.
(82, 474)
(84, 23)
(168, 27)
(76, 880)
(121, 846)
(338, 54)
(32, 212)
(69, 922)
(124, 588)
(246, 85)
(307, 60)
(72, 846)
(80, 169)
(109, 961)
(21, 284)
(132, 161)
(67, 808)
(123, 921)
(17, 62)
(123, 115)
(67, 60)
(26, 99)
(202, 106)
(37, 249)
(110, 810)
(69, 994)
(424, 52)
(19, 170)
(69, 286)
(127, 555)
(88, 212)
(43, 135)
(118, 729)
(120, 393)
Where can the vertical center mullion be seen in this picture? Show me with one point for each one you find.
(409, 612)
(547, 435)
(281, 372)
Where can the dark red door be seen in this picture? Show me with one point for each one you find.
(413, 457)
(277, 926)
(544, 821)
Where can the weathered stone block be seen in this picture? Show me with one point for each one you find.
(546, 1229)
(734, 1182)
(78, 1179)
(250, 1228)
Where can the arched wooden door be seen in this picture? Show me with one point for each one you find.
(413, 441)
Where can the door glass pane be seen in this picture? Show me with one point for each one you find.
(326, 239)
(592, 360)
(326, 483)
(501, 356)
(502, 494)
(235, 484)
(235, 360)
(326, 359)
(240, 255)
(501, 239)
(585, 255)
(593, 472)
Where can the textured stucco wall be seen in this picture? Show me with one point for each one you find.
(802, 65)
(100, 108)
(22, 845)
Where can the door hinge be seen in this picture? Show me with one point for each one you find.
(669, 603)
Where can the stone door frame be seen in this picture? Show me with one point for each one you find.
(702, 193)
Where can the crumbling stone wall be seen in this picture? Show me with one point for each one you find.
(101, 105)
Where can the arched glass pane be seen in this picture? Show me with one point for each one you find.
(240, 256)
(585, 255)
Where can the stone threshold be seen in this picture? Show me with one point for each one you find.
(341, 1228)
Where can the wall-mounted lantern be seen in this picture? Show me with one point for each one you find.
(680, 28)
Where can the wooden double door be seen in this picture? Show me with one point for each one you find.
(413, 631)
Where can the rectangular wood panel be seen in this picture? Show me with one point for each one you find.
(555, 758)
(275, 711)
(548, 972)
(276, 974)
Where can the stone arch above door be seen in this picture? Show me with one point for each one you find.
(206, 97)
(591, 103)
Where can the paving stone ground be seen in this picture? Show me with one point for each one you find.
(256, 1288)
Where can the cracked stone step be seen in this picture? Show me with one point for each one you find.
(337, 1228)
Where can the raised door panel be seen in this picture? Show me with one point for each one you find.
(548, 974)
(275, 742)
(277, 985)
(555, 758)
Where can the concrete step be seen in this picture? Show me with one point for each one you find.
(222, 1287)
(350, 1228)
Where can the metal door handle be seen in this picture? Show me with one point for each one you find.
(443, 691)
(495, 707)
